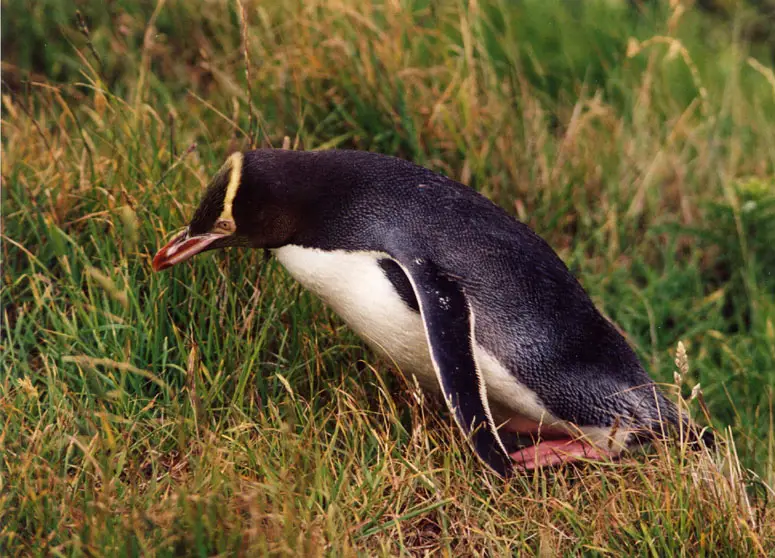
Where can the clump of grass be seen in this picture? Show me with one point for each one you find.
(216, 407)
(300, 476)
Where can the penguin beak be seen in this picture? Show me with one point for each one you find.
(183, 247)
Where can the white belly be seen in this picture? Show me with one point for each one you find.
(355, 287)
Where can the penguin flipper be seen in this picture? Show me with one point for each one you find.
(449, 327)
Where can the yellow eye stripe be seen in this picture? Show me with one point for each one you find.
(235, 162)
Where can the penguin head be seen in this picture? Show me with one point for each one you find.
(240, 207)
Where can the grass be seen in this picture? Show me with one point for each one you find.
(218, 408)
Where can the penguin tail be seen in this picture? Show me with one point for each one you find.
(696, 436)
(666, 421)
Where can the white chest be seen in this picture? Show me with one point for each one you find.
(355, 287)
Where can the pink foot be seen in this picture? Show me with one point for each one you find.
(553, 452)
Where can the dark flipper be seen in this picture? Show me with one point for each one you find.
(449, 329)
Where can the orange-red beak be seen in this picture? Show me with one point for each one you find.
(181, 248)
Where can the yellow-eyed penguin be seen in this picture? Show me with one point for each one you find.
(451, 288)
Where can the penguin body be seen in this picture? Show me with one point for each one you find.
(356, 286)
(447, 285)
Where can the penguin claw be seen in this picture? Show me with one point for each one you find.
(549, 453)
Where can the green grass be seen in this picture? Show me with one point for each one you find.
(218, 408)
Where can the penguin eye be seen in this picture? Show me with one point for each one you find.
(225, 226)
